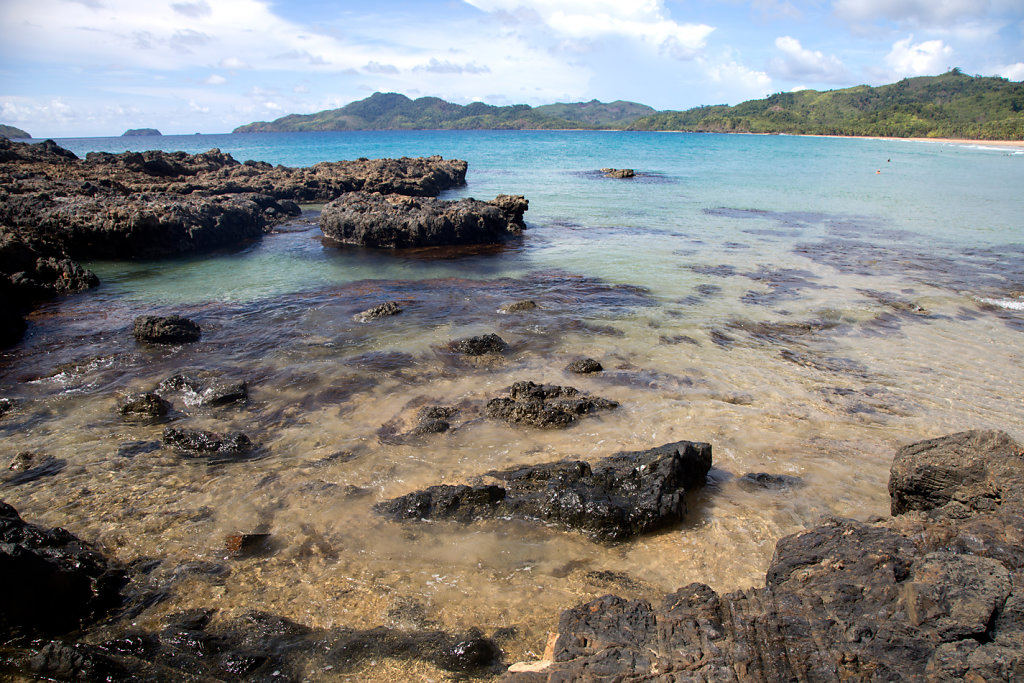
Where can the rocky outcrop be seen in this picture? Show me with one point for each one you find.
(935, 593)
(171, 329)
(139, 132)
(481, 345)
(618, 172)
(584, 366)
(143, 405)
(56, 208)
(619, 497)
(545, 405)
(198, 443)
(384, 310)
(53, 582)
(392, 221)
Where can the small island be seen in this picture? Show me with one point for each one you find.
(139, 132)
(13, 133)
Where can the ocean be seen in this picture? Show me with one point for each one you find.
(806, 305)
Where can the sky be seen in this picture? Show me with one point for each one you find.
(98, 67)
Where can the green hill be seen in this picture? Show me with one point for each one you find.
(391, 111)
(13, 133)
(950, 105)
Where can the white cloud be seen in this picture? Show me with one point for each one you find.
(232, 63)
(644, 21)
(922, 59)
(1014, 72)
(738, 82)
(215, 79)
(799, 63)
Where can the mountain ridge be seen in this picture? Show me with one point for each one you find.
(953, 105)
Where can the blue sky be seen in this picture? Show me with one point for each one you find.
(98, 67)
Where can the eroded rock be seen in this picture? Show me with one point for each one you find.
(171, 329)
(619, 497)
(486, 344)
(53, 581)
(198, 442)
(394, 221)
(545, 405)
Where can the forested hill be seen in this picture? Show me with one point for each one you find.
(391, 111)
(951, 105)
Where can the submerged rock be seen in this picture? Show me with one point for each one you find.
(143, 405)
(584, 366)
(480, 346)
(395, 221)
(388, 308)
(200, 443)
(545, 405)
(172, 329)
(618, 172)
(28, 466)
(931, 594)
(619, 497)
(519, 306)
(53, 581)
(753, 481)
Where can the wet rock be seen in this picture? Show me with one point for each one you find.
(433, 419)
(221, 392)
(246, 545)
(584, 366)
(53, 581)
(547, 406)
(395, 221)
(198, 442)
(519, 306)
(388, 308)
(479, 346)
(6, 405)
(618, 172)
(206, 392)
(976, 469)
(172, 329)
(931, 596)
(754, 481)
(75, 662)
(143, 405)
(29, 466)
(619, 497)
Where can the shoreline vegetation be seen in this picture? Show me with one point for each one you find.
(950, 106)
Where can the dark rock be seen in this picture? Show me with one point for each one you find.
(545, 405)
(143, 405)
(753, 481)
(75, 662)
(138, 132)
(395, 221)
(976, 469)
(520, 306)
(221, 392)
(381, 311)
(198, 442)
(583, 366)
(618, 172)
(433, 419)
(6, 406)
(53, 582)
(246, 545)
(931, 596)
(621, 496)
(173, 329)
(479, 346)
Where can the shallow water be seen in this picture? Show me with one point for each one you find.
(773, 296)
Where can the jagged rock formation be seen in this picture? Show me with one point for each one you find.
(53, 582)
(56, 208)
(934, 593)
(394, 221)
(619, 497)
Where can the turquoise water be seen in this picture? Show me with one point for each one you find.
(936, 199)
(805, 305)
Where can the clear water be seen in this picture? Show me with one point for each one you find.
(806, 305)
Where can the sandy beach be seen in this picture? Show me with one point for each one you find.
(1018, 144)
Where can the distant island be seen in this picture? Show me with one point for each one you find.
(951, 105)
(138, 132)
(13, 133)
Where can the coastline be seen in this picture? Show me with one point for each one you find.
(1016, 144)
